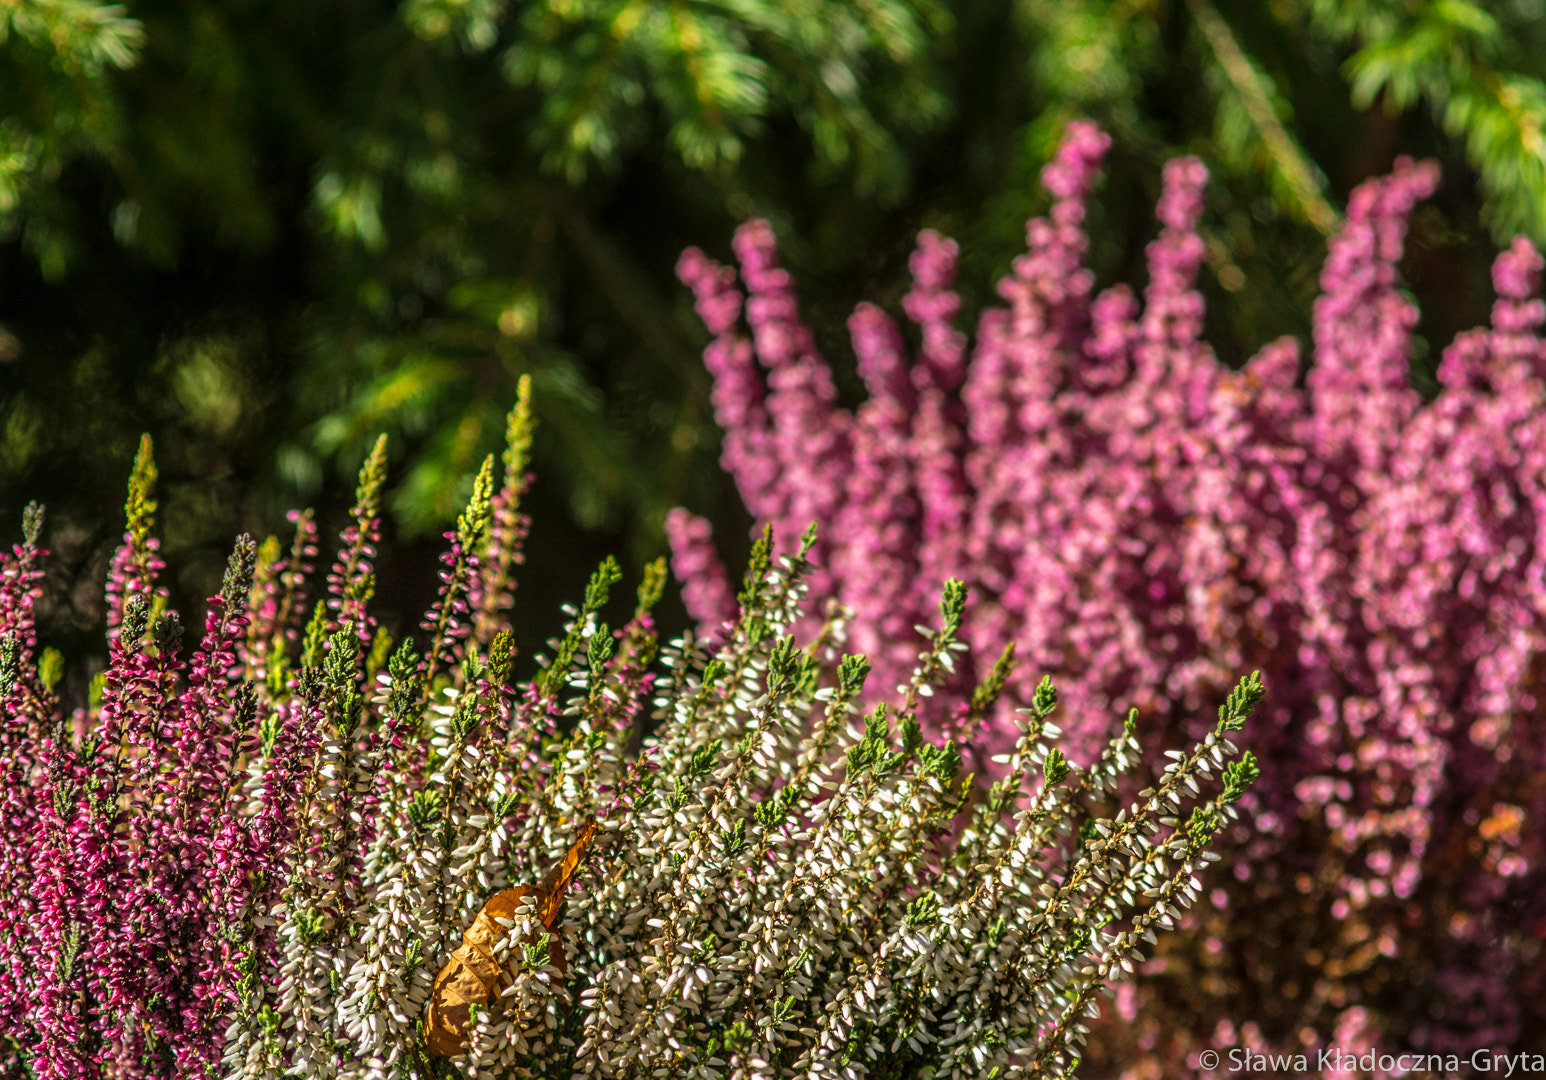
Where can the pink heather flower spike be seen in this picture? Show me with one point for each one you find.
(810, 435)
(707, 593)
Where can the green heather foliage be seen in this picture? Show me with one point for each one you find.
(250, 860)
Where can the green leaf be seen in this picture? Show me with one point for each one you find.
(1055, 767)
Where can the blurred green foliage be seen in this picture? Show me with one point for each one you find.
(267, 230)
(59, 103)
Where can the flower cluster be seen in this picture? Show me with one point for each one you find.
(253, 861)
(1142, 521)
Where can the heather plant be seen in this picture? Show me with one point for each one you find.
(251, 859)
(1143, 521)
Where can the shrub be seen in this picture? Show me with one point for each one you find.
(252, 859)
(1142, 522)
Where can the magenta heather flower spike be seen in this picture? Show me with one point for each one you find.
(135, 563)
(351, 581)
(1173, 309)
(879, 510)
(279, 600)
(933, 305)
(706, 590)
(1014, 366)
(939, 420)
(1363, 326)
(882, 359)
(739, 395)
(810, 434)
(21, 698)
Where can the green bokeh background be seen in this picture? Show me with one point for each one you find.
(265, 231)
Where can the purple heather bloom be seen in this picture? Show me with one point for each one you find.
(707, 590)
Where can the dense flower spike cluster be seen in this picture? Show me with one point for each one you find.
(1142, 521)
(253, 861)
